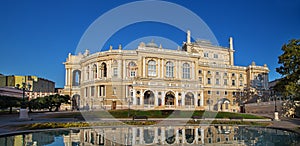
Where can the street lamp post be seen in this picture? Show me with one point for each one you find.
(276, 117)
(23, 110)
(129, 102)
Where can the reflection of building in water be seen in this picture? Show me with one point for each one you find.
(154, 135)
(169, 135)
(32, 139)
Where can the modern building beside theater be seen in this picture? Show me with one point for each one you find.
(198, 76)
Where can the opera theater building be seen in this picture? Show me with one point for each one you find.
(197, 76)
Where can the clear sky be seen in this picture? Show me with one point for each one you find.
(36, 36)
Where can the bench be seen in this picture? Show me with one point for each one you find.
(197, 117)
(139, 117)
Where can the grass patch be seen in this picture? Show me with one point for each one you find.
(153, 114)
(50, 125)
(231, 123)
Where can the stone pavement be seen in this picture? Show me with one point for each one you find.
(9, 123)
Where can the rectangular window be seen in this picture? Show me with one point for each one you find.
(225, 74)
(101, 90)
(241, 82)
(208, 92)
(208, 81)
(92, 90)
(241, 75)
(86, 91)
(233, 93)
(205, 54)
(225, 81)
(217, 81)
(151, 68)
(217, 73)
(200, 79)
(233, 83)
(115, 72)
(218, 92)
(216, 56)
(233, 74)
(132, 73)
(114, 91)
(225, 92)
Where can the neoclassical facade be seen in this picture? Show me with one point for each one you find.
(197, 76)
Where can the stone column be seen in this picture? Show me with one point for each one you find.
(124, 71)
(183, 99)
(163, 98)
(193, 70)
(196, 99)
(176, 98)
(144, 66)
(162, 68)
(142, 98)
(67, 77)
(134, 97)
(201, 99)
(158, 68)
(156, 98)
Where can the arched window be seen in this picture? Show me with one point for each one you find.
(95, 71)
(170, 69)
(76, 77)
(104, 70)
(189, 98)
(132, 68)
(185, 71)
(151, 68)
(149, 98)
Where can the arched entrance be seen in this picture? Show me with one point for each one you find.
(148, 98)
(170, 98)
(189, 99)
(75, 102)
(223, 104)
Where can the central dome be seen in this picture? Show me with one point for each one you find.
(151, 44)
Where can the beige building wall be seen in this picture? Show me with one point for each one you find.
(201, 76)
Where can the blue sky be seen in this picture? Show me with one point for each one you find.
(36, 36)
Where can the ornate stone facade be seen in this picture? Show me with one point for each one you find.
(199, 76)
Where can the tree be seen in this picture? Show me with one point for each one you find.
(9, 102)
(289, 85)
(49, 102)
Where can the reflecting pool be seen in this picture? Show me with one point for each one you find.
(154, 135)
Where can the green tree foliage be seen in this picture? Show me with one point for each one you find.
(289, 62)
(49, 102)
(9, 102)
